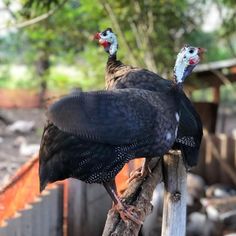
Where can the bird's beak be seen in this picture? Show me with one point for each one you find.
(97, 36)
(201, 51)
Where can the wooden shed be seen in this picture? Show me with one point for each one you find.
(218, 149)
(211, 75)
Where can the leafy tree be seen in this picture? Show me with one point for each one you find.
(149, 32)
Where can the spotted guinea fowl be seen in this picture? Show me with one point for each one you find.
(91, 135)
(123, 76)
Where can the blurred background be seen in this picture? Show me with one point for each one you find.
(47, 50)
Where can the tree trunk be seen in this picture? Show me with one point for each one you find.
(42, 67)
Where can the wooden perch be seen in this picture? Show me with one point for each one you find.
(139, 194)
(174, 210)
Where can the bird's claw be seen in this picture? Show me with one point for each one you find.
(140, 173)
(128, 212)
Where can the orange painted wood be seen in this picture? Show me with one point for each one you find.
(24, 187)
(23, 98)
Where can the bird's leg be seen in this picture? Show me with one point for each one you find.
(142, 171)
(125, 211)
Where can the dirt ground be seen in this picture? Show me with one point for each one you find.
(10, 157)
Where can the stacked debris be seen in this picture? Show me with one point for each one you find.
(211, 209)
(20, 131)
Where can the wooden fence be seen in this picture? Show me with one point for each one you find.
(85, 206)
(217, 159)
(44, 217)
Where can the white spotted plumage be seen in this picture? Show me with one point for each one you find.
(177, 116)
(168, 136)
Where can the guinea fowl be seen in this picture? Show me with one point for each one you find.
(122, 76)
(91, 135)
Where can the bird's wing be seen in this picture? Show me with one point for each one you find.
(114, 117)
(190, 124)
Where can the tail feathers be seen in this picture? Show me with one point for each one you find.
(42, 185)
(43, 179)
(52, 171)
(190, 155)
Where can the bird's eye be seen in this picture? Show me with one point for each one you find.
(104, 33)
(191, 51)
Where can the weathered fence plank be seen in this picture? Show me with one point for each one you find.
(44, 217)
(45, 213)
(13, 225)
(87, 208)
(217, 159)
(56, 211)
(26, 224)
(3, 229)
(36, 217)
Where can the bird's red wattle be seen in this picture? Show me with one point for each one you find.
(105, 44)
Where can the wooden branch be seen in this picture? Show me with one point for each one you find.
(138, 194)
(174, 210)
(34, 20)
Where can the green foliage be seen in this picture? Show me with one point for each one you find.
(149, 34)
(215, 50)
(228, 94)
(205, 95)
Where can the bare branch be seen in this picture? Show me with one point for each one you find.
(34, 20)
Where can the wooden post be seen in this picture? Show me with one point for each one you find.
(174, 210)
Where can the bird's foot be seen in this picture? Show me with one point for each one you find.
(139, 173)
(128, 212)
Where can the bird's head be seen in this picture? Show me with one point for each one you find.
(187, 59)
(108, 40)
